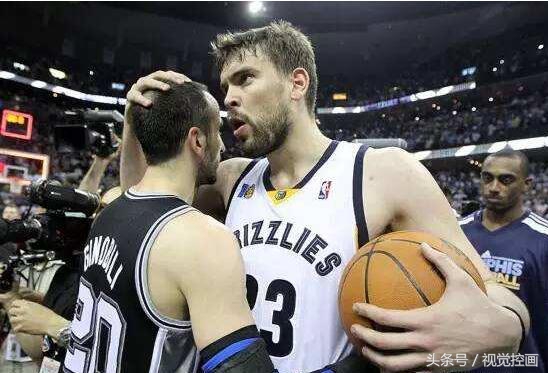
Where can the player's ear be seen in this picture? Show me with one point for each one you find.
(528, 184)
(197, 141)
(301, 82)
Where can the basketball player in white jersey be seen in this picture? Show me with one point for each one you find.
(301, 212)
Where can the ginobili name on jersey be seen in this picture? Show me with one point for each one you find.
(103, 251)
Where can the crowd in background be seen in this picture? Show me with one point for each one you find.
(462, 120)
(520, 117)
(510, 55)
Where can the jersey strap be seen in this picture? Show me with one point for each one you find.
(357, 196)
(247, 170)
(141, 276)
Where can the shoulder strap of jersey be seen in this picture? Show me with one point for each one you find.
(246, 171)
(357, 196)
(141, 275)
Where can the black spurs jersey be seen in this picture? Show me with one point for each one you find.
(116, 328)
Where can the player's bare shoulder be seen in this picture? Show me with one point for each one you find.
(383, 161)
(193, 246)
(190, 237)
(228, 173)
(384, 172)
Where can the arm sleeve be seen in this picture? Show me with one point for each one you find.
(242, 351)
(350, 364)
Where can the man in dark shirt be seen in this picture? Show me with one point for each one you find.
(513, 242)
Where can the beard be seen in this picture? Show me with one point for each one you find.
(269, 132)
(207, 172)
(502, 206)
(497, 207)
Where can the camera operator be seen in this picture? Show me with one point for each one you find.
(30, 310)
(41, 322)
(40, 317)
(34, 320)
(31, 289)
(10, 212)
(92, 178)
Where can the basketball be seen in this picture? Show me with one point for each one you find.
(391, 272)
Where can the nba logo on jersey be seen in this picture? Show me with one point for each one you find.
(324, 190)
(247, 191)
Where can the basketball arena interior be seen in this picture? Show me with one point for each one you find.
(451, 83)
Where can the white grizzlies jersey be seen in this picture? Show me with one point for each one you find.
(295, 244)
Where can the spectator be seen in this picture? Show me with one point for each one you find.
(513, 242)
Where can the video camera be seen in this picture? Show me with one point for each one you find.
(55, 234)
(94, 130)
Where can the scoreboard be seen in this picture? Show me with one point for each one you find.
(16, 124)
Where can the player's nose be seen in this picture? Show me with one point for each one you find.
(232, 100)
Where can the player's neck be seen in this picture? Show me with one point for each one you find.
(302, 149)
(493, 219)
(172, 178)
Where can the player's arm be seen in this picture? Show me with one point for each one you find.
(31, 321)
(31, 344)
(209, 272)
(400, 193)
(92, 178)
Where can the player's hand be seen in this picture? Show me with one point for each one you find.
(109, 158)
(29, 317)
(31, 295)
(150, 82)
(6, 299)
(464, 320)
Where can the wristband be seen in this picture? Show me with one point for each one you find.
(63, 336)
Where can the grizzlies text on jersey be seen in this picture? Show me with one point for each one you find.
(295, 244)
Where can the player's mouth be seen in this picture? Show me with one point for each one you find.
(494, 199)
(240, 128)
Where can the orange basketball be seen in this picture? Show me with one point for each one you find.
(391, 272)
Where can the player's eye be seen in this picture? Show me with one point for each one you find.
(246, 78)
(506, 180)
(486, 178)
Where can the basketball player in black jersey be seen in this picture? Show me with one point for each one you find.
(162, 281)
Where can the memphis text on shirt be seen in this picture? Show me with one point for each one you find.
(507, 271)
(103, 251)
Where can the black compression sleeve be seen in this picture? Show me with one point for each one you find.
(350, 364)
(242, 351)
(213, 349)
(254, 359)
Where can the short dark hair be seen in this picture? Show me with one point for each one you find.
(162, 128)
(511, 153)
(284, 45)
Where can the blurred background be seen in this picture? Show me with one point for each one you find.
(456, 81)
